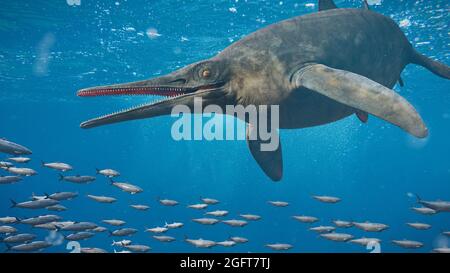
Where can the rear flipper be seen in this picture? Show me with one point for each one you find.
(436, 67)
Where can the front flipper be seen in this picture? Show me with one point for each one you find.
(363, 94)
(271, 162)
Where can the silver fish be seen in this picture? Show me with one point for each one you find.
(33, 246)
(57, 208)
(79, 226)
(59, 166)
(240, 240)
(337, 237)
(306, 219)
(7, 229)
(326, 199)
(279, 203)
(250, 217)
(323, 229)
(235, 223)
(343, 224)
(92, 250)
(227, 243)
(168, 202)
(372, 227)
(43, 219)
(206, 221)
(407, 243)
(78, 179)
(210, 201)
(365, 241)
(174, 225)
(217, 213)
(123, 232)
(157, 229)
(21, 171)
(36, 204)
(419, 226)
(127, 187)
(108, 172)
(102, 199)
(278, 246)
(114, 222)
(82, 235)
(137, 248)
(12, 148)
(19, 159)
(19, 238)
(8, 220)
(164, 238)
(201, 243)
(140, 207)
(60, 196)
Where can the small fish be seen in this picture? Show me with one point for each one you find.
(163, 238)
(33, 246)
(217, 213)
(19, 159)
(137, 248)
(114, 222)
(365, 241)
(206, 221)
(79, 226)
(157, 229)
(419, 226)
(92, 250)
(168, 202)
(279, 246)
(5, 165)
(210, 201)
(36, 204)
(110, 173)
(343, 224)
(441, 250)
(372, 227)
(227, 243)
(250, 217)
(235, 223)
(239, 240)
(140, 207)
(99, 229)
(62, 224)
(306, 219)
(79, 179)
(424, 211)
(323, 229)
(121, 243)
(174, 225)
(279, 203)
(19, 238)
(82, 235)
(102, 199)
(438, 206)
(8, 220)
(59, 166)
(201, 243)
(198, 206)
(12, 148)
(127, 187)
(407, 243)
(446, 233)
(7, 229)
(21, 171)
(57, 208)
(43, 219)
(123, 232)
(60, 196)
(337, 237)
(326, 199)
(48, 226)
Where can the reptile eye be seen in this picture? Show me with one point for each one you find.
(206, 73)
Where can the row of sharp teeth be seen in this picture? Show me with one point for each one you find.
(103, 92)
(172, 96)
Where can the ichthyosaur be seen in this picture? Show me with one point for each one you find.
(319, 68)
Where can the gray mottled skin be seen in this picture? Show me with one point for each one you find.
(319, 68)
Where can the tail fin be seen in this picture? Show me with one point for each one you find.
(418, 198)
(111, 181)
(8, 247)
(42, 163)
(110, 233)
(14, 203)
(61, 177)
(97, 171)
(436, 67)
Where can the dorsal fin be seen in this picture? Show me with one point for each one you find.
(326, 5)
(365, 5)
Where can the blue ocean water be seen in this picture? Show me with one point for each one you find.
(51, 49)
